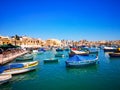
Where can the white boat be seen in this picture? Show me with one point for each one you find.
(17, 68)
(37, 52)
(109, 49)
(5, 78)
(79, 52)
(76, 52)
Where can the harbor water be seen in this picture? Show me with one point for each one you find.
(56, 76)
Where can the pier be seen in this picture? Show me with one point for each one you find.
(11, 56)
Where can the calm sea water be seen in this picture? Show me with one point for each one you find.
(103, 76)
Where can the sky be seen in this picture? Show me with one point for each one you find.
(61, 19)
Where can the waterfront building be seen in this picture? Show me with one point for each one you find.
(30, 42)
(25, 41)
(53, 42)
(22, 41)
(4, 40)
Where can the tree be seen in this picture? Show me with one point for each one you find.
(16, 37)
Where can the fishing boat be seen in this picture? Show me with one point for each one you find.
(41, 50)
(18, 68)
(25, 57)
(59, 55)
(5, 78)
(67, 49)
(59, 49)
(76, 52)
(51, 60)
(78, 61)
(37, 52)
(93, 51)
(115, 54)
(109, 49)
(34, 51)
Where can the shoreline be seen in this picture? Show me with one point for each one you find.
(10, 57)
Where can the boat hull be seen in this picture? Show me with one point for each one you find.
(24, 58)
(80, 64)
(85, 54)
(96, 52)
(75, 52)
(50, 60)
(114, 55)
(14, 72)
(59, 50)
(27, 66)
(59, 55)
(5, 78)
(110, 50)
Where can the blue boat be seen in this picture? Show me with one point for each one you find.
(93, 51)
(41, 50)
(11, 66)
(18, 68)
(78, 61)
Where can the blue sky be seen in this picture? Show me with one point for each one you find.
(61, 19)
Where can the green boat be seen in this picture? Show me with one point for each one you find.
(25, 57)
(59, 55)
(51, 60)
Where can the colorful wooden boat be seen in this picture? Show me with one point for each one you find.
(18, 68)
(78, 61)
(5, 78)
(110, 49)
(76, 52)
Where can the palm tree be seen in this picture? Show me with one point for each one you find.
(16, 37)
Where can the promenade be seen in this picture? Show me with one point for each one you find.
(10, 56)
